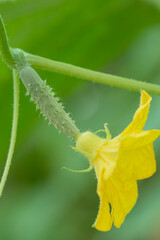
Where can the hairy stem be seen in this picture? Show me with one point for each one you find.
(14, 131)
(104, 78)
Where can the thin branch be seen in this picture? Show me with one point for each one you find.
(86, 74)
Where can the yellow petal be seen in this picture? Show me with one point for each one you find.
(122, 194)
(103, 221)
(136, 158)
(139, 140)
(140, 115)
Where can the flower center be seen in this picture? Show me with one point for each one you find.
(88, 144)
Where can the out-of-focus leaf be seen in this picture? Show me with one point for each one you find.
(154, 2)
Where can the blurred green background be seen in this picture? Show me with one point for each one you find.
(122, 37)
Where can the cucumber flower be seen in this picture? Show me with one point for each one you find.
(118, 164)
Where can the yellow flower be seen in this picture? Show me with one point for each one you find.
(118, 164)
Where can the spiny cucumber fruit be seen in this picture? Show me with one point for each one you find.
(44, 98)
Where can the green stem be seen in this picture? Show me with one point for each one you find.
(104, 78)
(14, 131)
(4, 47)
